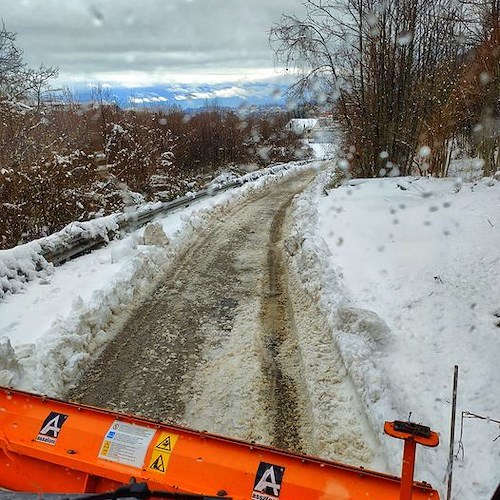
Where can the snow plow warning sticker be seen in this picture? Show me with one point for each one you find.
(51, 427)
(126, 443)
(268, 481)
(162, 451)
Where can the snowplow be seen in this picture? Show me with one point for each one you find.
(52, 446)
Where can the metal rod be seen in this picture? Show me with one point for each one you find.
(452, 430)
(408, 469)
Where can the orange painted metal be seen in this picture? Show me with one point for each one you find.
(408, 469)
(431, 439)
(48, 445)
(411, 439)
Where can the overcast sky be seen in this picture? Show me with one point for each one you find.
(147, 42)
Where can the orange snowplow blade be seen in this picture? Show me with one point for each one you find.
(53, 446)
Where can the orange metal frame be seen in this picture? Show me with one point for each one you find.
(431, 439)
(48, 445)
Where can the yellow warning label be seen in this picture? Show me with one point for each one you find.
(105, 447)
(162, 451)
(158, 464)
(164, 445)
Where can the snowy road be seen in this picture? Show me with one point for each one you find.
(216, 347)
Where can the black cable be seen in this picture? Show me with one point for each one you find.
(142, 492)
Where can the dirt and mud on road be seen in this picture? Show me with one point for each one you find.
(225, 345)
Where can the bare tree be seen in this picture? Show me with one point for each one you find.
(37, 84)
(16, 79)
(380, 62)
(468, 111)
(11, 63)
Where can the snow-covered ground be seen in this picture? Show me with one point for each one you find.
(322, 150)
(407, 271)
(407, 275)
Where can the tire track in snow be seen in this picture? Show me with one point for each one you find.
(244, 371)
(278, 332)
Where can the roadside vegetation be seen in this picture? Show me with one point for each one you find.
(411, 82)
(62, 161)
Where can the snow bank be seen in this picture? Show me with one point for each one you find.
(406, 274)
(24, 263)
(64, 316)
(101, 227)
(20, 265)
(468, 169)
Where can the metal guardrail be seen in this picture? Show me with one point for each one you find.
(81, 244)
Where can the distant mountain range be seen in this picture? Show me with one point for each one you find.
(188, 96)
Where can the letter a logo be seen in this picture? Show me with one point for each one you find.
(268, 479)
(51, 427)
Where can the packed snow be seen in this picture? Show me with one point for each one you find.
(406, 274)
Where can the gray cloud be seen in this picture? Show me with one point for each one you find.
(151, 38)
